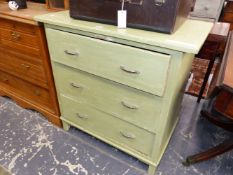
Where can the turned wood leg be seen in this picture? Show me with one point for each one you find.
(151, 170)
(66, 126)
(217, 150)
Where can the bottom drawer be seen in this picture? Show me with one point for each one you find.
(105, 126)
(25, 89)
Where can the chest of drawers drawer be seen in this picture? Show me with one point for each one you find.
(27, 69)
(110, 128)
(19, 36)
(17, 26)
(17, 44)
(24, 89)
(117, 100)
(141, 69)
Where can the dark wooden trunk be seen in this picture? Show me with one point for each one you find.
(144, 14)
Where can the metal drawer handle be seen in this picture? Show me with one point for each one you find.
(129, 71)
(71, 53)
(135, 2)
(128, 105)
(25, 66)
(15, 36)
(160, 2)
(128, 135)
(76, 85)
(37, 92)
(5, 80)
(84, 117)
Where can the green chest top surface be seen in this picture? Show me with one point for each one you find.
(188, 38)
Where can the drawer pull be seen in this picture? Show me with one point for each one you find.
(128, 135)
(37, 92)
(15, 36)
(5, 80)
(129, 71)
(160, 2)
(25, 66)
(76, 85)
(128, 105)
(84, 117)
(71, 53)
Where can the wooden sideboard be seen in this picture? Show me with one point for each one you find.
(123, 86)
(25, 69)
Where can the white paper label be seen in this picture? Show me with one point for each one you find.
(121, 19)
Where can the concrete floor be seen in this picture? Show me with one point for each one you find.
(32, 146)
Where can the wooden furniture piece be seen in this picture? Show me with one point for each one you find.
(213, 48)
(223, 105)
(227, 14)
(25, 69)
(124, 87)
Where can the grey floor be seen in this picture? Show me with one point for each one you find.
(29, 145)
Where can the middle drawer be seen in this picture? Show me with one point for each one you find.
(27, 68)
(129, 104)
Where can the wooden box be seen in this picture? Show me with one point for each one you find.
(156, 15)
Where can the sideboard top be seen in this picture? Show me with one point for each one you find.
(23, 15)
(188, 38)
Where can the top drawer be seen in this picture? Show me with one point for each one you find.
(138, 68)
(19, 36)
(18, 26)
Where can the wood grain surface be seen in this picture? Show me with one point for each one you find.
(23, 15)
(25, 68)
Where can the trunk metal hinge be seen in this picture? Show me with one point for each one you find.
(160, 2)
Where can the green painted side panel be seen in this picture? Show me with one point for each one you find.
(123, 102)
(172, 99)
(106, 126)
(144, 70)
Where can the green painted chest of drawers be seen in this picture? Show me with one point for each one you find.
(124, 87)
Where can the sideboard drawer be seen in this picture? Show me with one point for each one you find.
(20, 38)
(106, 126)
(25, 89)
(129, 104)
(17, 26)
(28, 70)
(138, 68)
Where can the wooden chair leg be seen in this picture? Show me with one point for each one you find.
(207, 74)
(219, 149)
